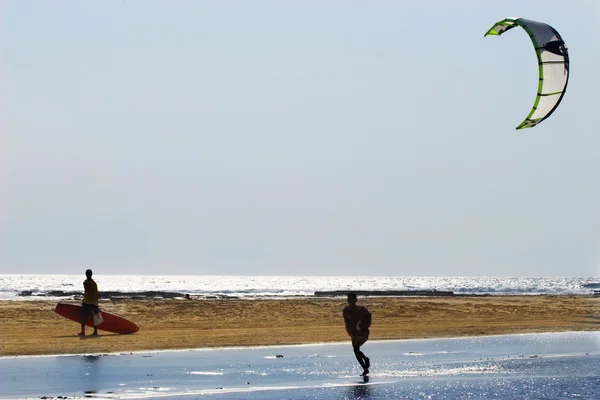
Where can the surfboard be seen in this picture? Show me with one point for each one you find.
(112, 322)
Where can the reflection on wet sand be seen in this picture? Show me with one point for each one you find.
(360, 391)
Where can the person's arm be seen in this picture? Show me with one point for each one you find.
(95, 292)
(363, 315)
(347, 321)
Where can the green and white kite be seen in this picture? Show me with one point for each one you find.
(553, 61)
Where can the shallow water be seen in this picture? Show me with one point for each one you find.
(536, 366)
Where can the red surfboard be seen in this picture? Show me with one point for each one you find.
(112, 322)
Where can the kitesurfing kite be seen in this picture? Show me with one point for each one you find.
(553, 61)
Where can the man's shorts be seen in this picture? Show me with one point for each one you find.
(86, 311)
(358, 340)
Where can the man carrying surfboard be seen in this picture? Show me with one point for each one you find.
(358, 320)
(90, 302)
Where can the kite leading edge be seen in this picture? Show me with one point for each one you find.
(553, 62)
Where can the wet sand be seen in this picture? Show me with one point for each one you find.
(32, 327)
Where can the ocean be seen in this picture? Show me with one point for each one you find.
(529, 366)
(61, 287)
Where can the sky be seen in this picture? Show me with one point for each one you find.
(294, 138)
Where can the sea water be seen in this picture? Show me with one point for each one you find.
(528, 366)
(56, 287)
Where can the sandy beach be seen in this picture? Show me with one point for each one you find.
(32, 327)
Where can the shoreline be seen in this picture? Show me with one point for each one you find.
(30, 327)
(233, 348)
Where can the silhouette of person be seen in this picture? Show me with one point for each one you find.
(358, 320)
(90, 302)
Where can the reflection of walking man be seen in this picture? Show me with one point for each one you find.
(358, 320)
(90, 302)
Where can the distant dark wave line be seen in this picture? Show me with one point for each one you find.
(252, 294)
(593, 285)
(336, 293)
(154, 294)
(116, 295)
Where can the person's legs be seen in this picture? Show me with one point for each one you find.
(360, 357)
(95, 310)
(82, 318)
(86, 311)
(363, 360)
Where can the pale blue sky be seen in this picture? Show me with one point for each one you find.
(294, 137)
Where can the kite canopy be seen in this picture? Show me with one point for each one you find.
(553, 61)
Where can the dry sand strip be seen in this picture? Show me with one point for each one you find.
(32, 327)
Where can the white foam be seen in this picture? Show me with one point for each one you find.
(439, 372)
(317, 355)
(204, 373)
(255, 373)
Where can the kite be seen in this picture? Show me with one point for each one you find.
(553, 62)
